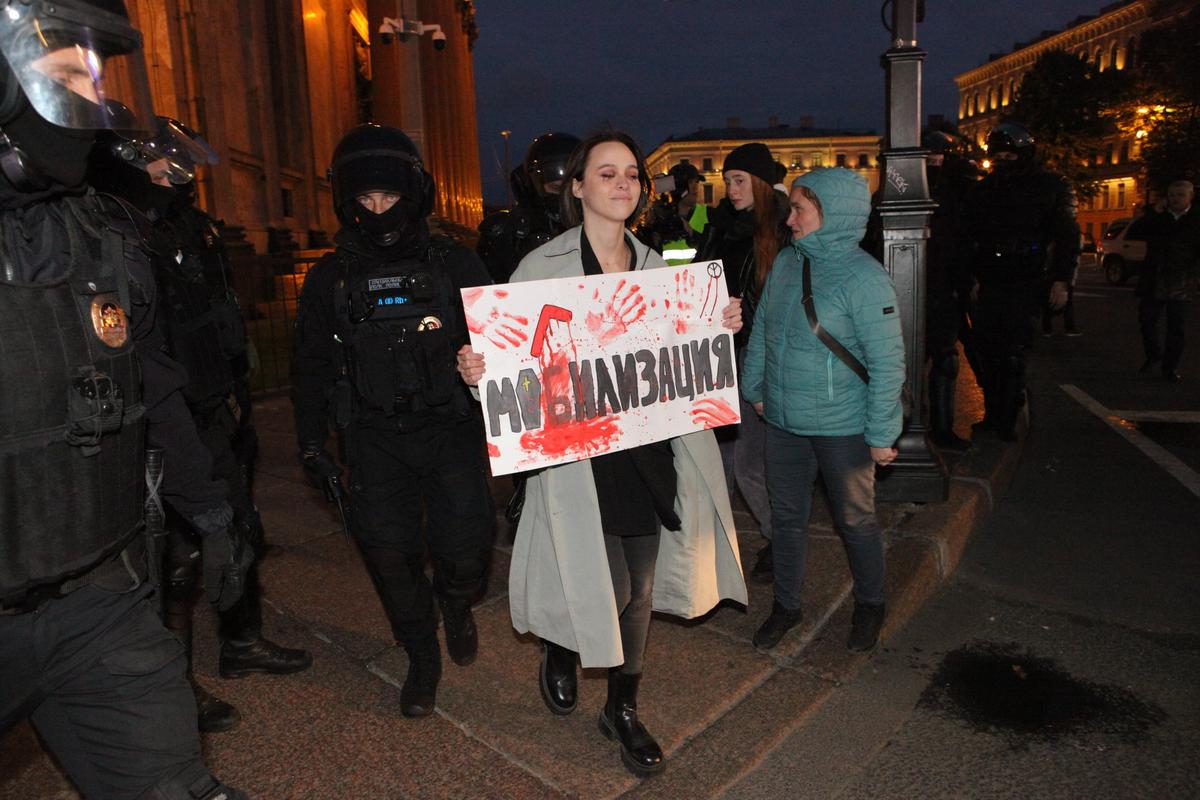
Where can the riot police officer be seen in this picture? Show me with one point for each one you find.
(81, 650)
(506, 237)
(204, 333)
(377, 329)
(951, 174)
(1021, 218)
(676, 221)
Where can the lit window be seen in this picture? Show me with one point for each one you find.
(818, 160)
(992, 98)
(1120, 195)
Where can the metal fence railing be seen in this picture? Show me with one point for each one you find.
(268, 288)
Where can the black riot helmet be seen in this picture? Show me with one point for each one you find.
(546, 161)
(57, 60)
(1009, 137)
(376, 158)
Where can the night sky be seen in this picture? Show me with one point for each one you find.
(660, 67)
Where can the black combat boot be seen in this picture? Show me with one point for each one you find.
(557, 679)
(462, 637)
(212, 714)
(244, 650)
(419, 692)
(865, 626)
(619, 722)
(776, 625)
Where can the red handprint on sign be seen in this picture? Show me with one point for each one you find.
(625, 307)
(500, 328)
(710, 413)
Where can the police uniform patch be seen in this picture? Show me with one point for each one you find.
(109, 320)
(429, 323)
(889, 309)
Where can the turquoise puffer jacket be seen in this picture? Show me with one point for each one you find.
(805, 388)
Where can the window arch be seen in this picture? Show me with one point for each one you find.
(992, 98)
(1116, 58)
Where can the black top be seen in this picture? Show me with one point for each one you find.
(635, 488)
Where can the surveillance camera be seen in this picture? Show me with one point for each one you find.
(439, 40)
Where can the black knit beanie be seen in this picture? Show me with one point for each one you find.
(755, 158)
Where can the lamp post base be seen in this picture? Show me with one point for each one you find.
(918, 475)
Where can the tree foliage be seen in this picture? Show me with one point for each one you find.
(1161, 101)
(1064, 103)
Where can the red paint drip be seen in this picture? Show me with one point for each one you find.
(493, 451)
(713, 413)
(588, 438)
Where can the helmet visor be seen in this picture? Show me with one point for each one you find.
(377, 171)
(71, 60)
(179, 152)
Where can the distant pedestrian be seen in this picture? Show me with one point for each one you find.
(825, 368)
(1171, 271)
(594, 533)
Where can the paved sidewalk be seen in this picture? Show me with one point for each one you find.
(715, 704)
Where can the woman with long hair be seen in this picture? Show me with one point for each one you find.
(746, 231)
(594, 533)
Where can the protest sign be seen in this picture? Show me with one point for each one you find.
(581, 366)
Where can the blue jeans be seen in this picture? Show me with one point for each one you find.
(845, 462)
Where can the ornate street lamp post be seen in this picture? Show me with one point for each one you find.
(917, 474)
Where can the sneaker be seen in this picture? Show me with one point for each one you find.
(777, 624)
(865, 626)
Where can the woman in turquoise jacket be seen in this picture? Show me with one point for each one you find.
(821, 416)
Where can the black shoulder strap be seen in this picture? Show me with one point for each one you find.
(833, 344)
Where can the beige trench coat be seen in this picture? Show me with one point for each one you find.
(559, 583)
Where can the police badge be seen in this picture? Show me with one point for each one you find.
(109, 321)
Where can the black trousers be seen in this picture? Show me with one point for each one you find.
(242, 623)
(1003, 333)
(417, 491)
(631, 561)
(1170, 351)
(103, 682)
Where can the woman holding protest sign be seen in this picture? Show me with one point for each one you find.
(594, 533)
(825, 367)
(746, 231)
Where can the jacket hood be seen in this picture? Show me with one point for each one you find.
(845, 206)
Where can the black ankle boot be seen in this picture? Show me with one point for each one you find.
(462, 637)
(776, 625)
(239, 659)
(865, 626)
(419, 692)
(619, 722)
(212, 715)
(763, 570)
(557, 680)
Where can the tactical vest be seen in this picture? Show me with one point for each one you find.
(71, 438)
(400, 327)
(201, 323)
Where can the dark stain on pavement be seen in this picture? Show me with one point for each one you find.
(1002, 689)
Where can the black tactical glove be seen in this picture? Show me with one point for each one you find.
(226, 557)
(318, 465)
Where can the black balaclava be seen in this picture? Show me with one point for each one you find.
(107, 172)
(55, 159)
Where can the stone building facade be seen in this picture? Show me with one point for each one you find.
(799, 148)
(274, 84)
(1108, 39)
